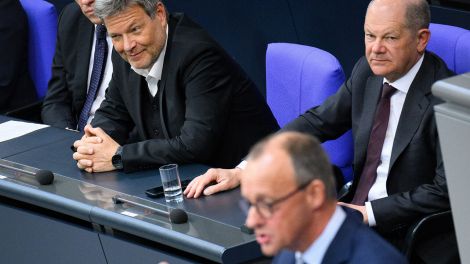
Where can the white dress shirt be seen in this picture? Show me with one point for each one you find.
(316, 251)
(154, 74)
(379, 188)
(108, 72)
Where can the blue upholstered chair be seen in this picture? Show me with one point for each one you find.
(299, 77)
(452, 44)
(42, 20)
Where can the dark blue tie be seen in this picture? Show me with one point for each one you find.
(374, 148)
(99, 64)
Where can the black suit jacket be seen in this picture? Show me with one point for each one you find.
(67, 90)
(354, 243)
(416, 183)
(210, 111)
(16, 86)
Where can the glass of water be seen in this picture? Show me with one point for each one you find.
(171, 183)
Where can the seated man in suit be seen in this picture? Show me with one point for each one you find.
(16, 86)
(189, 101)
(289, 186)
(398, 170)
(81, 68)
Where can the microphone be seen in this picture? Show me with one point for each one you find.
(176, 216)
(44, 177)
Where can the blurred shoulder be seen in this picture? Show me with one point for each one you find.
(70, 15)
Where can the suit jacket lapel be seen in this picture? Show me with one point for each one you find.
(372, 95)
(162, 84)
(134, 93)
(340, 248)
(284, 257)
(86, 31)
(416, 104)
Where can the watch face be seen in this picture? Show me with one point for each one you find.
(117, 162)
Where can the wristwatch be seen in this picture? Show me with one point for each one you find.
(117, 159)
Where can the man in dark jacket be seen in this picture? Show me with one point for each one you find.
(400, 178)
(188, 100)
(72, 68)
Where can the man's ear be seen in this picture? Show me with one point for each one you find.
(160, 14)
(423, 38)
(316, 194)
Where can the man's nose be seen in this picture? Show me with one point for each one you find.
(87, 2)
(129, 43)
(377, 46)
(253, 219)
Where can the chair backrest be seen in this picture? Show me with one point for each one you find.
(299, 77)
(42, 20)
(452, 44)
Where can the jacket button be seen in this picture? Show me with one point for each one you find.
(156, 131)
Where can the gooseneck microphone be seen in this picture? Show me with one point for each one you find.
(23, 176)
(176, 216)
(44, 177)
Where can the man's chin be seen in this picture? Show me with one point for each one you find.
(136, 64)
(140, 66)
(95, 20)
(379, 70)
(269, 250)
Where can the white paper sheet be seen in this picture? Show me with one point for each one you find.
(13, 129)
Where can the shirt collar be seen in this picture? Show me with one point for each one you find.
(317, 250)
(403, 84)
(156, 70)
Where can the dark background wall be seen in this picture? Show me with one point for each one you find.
(245, 27)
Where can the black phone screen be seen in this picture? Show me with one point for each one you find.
(157, 192)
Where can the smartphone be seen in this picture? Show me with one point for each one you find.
(157, 192)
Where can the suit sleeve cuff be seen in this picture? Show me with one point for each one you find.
(370, 214)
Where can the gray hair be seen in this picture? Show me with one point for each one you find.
(418, 15)
(308, 158)
(106, 8)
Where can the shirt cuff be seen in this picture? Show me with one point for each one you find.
(242, 165)
(370, 214)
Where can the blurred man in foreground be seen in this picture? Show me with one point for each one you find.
(289, 186)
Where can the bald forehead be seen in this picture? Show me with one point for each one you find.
(271, 170)
(386, 13)
(272, 160)
(387, 6)
(397, 5)
(271, 163)
(394, 2)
